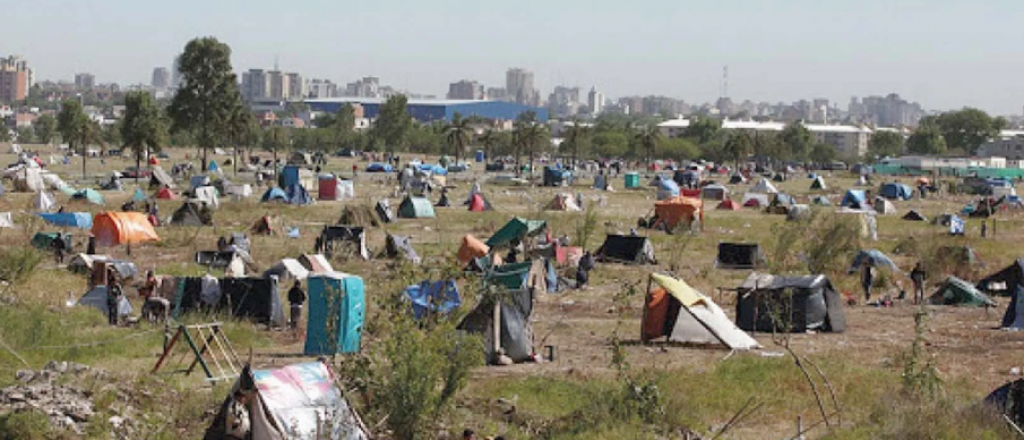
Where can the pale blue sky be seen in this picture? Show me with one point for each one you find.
(942, 53)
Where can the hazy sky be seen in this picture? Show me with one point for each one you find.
(941, 53)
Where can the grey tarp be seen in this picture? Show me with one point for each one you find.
(766, 302)
(398, 246)
(516, 329)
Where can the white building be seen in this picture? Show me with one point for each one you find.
(595, 101)
(928, 163)
(848, 139)
(1011, 148)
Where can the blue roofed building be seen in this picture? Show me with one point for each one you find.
(433, 110)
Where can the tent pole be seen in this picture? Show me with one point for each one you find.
(497, 328)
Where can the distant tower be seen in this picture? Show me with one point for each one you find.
(725, 81)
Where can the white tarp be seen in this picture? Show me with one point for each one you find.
(237, 192)
(43, 201)
(208, 195)
(764, 186)
(700, 320)
(29, 180)
(346, 190)
(303, 400)
(289, 268)
(884, 207)
(6, 221)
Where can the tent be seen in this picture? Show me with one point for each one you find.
(740, 256)
(563, 202)
(238, 192)
(396, 246)
(737, 179)
(266, 225)
(139, 196)
(379, 168)
(160, 178)
(332, 187)
(300, 401)
(97, 299)
(755, 200)
(782, 199)
(207, 195)
(192, 213)
(913, 215)
(1013, 319)
(89, 195)
(676, 311)
(516, 229)
(1009, 401)
(798, 212)
(471, 248)
(873, 258)
(854, 198)
(115, 228)
(821, 201)
(83, 263)
(288, 269)
(728, 205)
(627, 249)
(515, 329)
(714, 192)
(416, 207)
(316, 263)
(352, 239)
(166, 194)
(867, 221)
(254, 298)
(274, 194)
(297, 195)
(358, 215)
(383, 208)
(213, 167)
(769, 303)
(1006, 281)
(80, 220)
(957, 292)
(667, 188)
(43, 201)
(764, 186)
(479, 203)
(894, 191)
(818, 183)
(338, 298)
(42, 240)
(439, 297)
(556, 176)
(884, 207)
(679, 210)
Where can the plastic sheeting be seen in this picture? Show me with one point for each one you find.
(516, 331)
(81, 220)
(812, 302)
(116, 228)
(433, 297)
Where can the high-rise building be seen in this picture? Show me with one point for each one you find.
(161, 78)
(519, 85)
(367, 87)
(176, 73)
(321, 88)
(15, 79)
(280, 85)
(497, 94)
(255, 85)
(85, 81)
(296, 87)
(595, 101)
(466, 89)
(564, 101)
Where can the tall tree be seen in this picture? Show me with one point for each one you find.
(797, 139)
(648, 139)
(577, 136)
(738, 147)
(967, 129)
(927, 140)
(824, 153)
(702, 129)
(5, 134)
(206, 101)
(489, 140)
(276, 139)
(111, 133)
(25, 135)
(241, 125)
(528, 135)
(345, 123)
(393, 123)
(76, 129)
(46, 127)
(458, 134)
(885, 144)
(143, 128)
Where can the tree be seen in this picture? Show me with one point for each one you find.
(578, 135)
(738, 147)
(680, 149)
(702, 129)
(926, 140)
(648, 139)
(208, 96)
(824, 153)
(488, 140)
(5, 134)
(25, 135)
(458, 135)
(528, 136)
(885, 144)
(275, 140)
(45, 127)
(142, 129)
(797, 140)
(967, 129)
(393, 123)
(76, 129)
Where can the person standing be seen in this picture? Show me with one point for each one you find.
(57, 244)
(296, 296)
(866, 279)
(113, 298)
(918, 276)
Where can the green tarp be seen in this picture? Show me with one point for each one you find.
(957, 292)
(416, 207)
(89, 195)
(516, 229)
(510, 276)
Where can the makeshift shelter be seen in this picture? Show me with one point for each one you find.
(274, 194)
(479, 203)
(287, 270)
(192, 213)
(96, 298)
(80, 220)
(764, 187)
(884, 207)
(895, 191)
(379, 168)
(913, 215)
(471, 248)
(818, 183)
(397, 246)
(740, 256)
(866, 220)
(440, 297)
(358, 215)
(821, 201)
(769, 303)
(43, 201)
(1013, 319)
(627, 249)
(297, 195)
(1008, 400)
(383, 209)
(714, 192)
(266, 225)
(238, 192)
(556, 176)
(416, 207)
(667, 188)
(207, 195)
(253, 298)
(957, 292)
(300, 402)
(737, 179)
(316, 263)
(873, 258)
(728, 205)
(88, 195)
(166, 194)
(563, 202)
(675, 310)
(42, 240)
(337, 239)
(160, 178)
(337, 310)
(116, 228)
(213, 167)
(332, 187)
(83, 263)
(198, 181)
(782, 199)
(515, 329)
(1006, 281)
(517, 229)
(798, 212)
(679, 210)
(854, 198)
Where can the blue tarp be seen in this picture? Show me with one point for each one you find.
(783, 199)
(379, 168)
(297, 195)
(81, 220)
(213, 167)
(339, 298)
(667, 189)
(139, 196)
(854, 198)
(873, 258)
(893, 191)
(89, 195)
(434, 169)
(274, 195)
(289, 176)
(437, 297)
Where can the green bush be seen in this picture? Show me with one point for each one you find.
(25, 425)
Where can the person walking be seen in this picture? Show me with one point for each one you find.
(296, 296)
(867, 278)
(918, 276)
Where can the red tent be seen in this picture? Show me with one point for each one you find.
(691, 193)
(166, 194)
(153, 160)
(729, 205)
(479, 204)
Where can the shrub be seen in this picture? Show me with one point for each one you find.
(25, 425)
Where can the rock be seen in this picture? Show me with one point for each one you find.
(116, 421)
(25, 376)
(16, 397)
(56, 367)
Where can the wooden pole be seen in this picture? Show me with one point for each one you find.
(497, 328)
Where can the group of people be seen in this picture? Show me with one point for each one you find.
(918, 276)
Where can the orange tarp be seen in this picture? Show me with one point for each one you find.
(471, 248)
(114, 228)
(655, 314)
(672, 211)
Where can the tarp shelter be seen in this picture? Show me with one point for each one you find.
(782, 199)
(516, 229)
(556, 176)
(166, 194)
(383, 209)
(798, 212)
(439, 297)
(274, 194)
(740, 256)
(563, 202)
(679, 210)
(913, 215)
(379, 168)
(895, 191)
(737, 179)
(83, 263)
(42, 240)
(471, 248)
(337, 310)
(288, 269)
(515, 327)
(238, 192)
(80, 220)
(253, 298)
(29, 179)
(818, 183)
(855, 198)
(297, 195)
(116, 228)
(479, 203)
(764, 187)
(316, 263)
(266, 225)
(213, 167)
(43, 201)
(97, 299)
(667, 188)
(88, 195)
(755, 200)
(873, 258)
(1014, 317)
(336, 240)
(729, 205)
(296, 402)
(160, 178)
(416, 207)
(192, 213)
(627, 249)
(1006, 281)
(198, 181)
(675, 310)
(397, 246)
(714, 192)
(884, 206)
(821, 201)
(207, 195)
(957, 292)
(334, 188)
(769, 303)
(1009, 401)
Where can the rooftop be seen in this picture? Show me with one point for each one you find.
(438, 102)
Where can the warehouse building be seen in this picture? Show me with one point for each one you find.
(433, 110)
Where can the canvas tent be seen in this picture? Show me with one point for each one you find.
(439, 297)
(43, 201)
(957, 292)
(740, 256)
(274, 194)
(679, 210)
(253, 298)
(192, 213)
(755, 200)
(515, 333)
(818, 183)
(676, 311)
(416, 207)
(516, 229)
(627, 249)
(563, 202)
(80, 220)
(728, 205)
(479, 203)
(116, 228)
(1006, 281)
(913, 215)
(884, 207)
(804, 303)
(160, 178)
(471, 248)
(297, 195)
(338, 239)
(338, 298)
(88, 195)
(764, 187)
(397, 246)
(895, 191)
(714, 192)
(854, 198)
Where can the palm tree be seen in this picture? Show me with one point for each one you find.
(489, 139)
(530, 137)
(648, 139)
(457, 134)
(576, 135)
